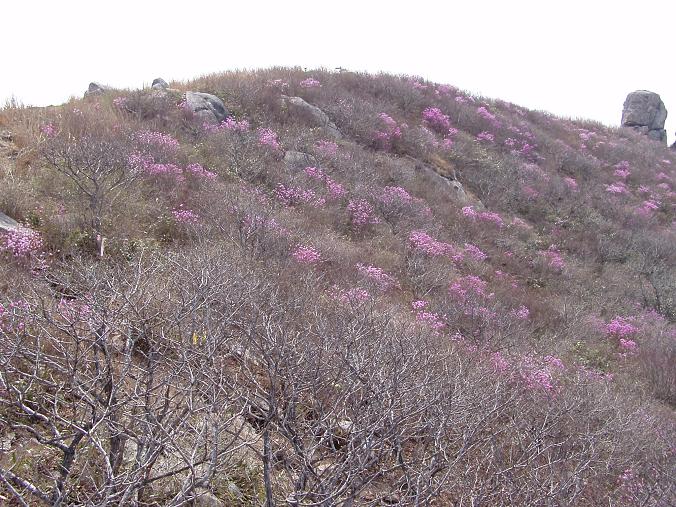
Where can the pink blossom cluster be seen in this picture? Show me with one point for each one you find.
(326, 148)
(310, 83)
(628, 346)
(185, 216)
(435, 321)
(622, 173)
(159, 139)
(21, 242)
(120, 102)
(230, 124)
(485, 136)
(74, 310)
(617, 188)
(506, 277)
(461, 99)
(436, 119)
(418, 85)
(443, 89)
(306, 255)
(554, 258)
(390, 133)
(293, 196)
(395, 194)
(351, 296)
(475, 252)
(648, 207)
(621, 327)
(335, 189)
(572, 184)
(521, 313)
(361, 212)
(537, 376)
(268, 137)
(484, 216)
(423, 242)
(499, 362)
(487, 115)
(199, 172)
(48, 129)
(383, 280)
(469, 287)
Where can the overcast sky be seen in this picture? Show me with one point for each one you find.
(573, 58)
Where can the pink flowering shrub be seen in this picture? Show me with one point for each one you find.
(521, 313)
(198, 171)
(436, 120)
(485, 136)
(484, 216)
(326, 148)
(294, 196)
(48, 129)
(376, 275)
(306, 255)
(353, 296)
(21, 243)
(361, 213)
(484, 113)
(570, 182)
(310, 83)
(621, 327)
(469, 287)
(499, 362)
(268, 138)
(628, 346)
(157, 139)
(185, 216)
(422, 242)
(334, 189)
(432, 320)
(553, 258)
(390, 132)
(539, 376)
(475, 252)
(617, 188)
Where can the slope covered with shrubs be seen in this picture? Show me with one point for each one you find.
(452, 300)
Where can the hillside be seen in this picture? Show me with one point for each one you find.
(332, 289)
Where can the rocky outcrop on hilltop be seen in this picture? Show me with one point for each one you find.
(645, 112)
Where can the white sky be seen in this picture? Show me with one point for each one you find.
(573, 58)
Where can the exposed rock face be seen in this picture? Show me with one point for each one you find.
(645, 112)
(96, 89)
(298, 159)
(207, 107)
(298, 106)
(160, 83)
(7, 223)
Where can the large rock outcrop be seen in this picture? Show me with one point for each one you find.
(206, 107)
(645, 112)
(7, 223)
(96, 89)
(299, 107)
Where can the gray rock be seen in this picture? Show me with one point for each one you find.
(298, 159)
(206, 107)
(645, 112)
(7, 223)
(96, 89)
(207, 500)
(313, 114)
(158, 82)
